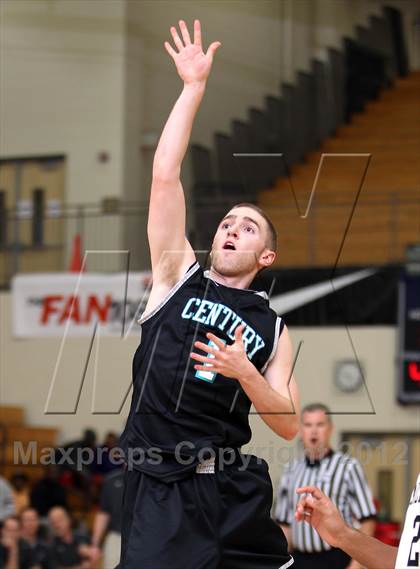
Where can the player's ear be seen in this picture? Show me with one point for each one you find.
(267, 258)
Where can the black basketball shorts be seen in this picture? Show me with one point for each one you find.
(217, 520)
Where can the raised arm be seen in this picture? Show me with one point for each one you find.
(170, 251)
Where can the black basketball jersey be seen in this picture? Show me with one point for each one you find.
(177, 411)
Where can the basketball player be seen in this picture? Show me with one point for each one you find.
(317, 509)
(209, 348)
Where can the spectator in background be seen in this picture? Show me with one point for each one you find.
(68, 549)
(14, 552)
(7, 502)
(340, 476)
(21, 490)
(31, 534)
(79, 458)
(105, 463)
(48, 492)
(108, 520)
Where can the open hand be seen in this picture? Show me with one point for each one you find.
(193, 65)
(230, 361)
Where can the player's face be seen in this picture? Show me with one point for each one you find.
(315, 431)
(239, 245)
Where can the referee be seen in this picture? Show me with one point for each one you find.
(339, 476)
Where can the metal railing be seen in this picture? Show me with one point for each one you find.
(376, 231)
(44, 243)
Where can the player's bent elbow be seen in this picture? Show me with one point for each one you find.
(286, 435)
(289, 435)
(291, 430)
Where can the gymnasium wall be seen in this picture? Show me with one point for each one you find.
(83, 77)
(27, 368)
(372, 408)
(62, 90)
(264, 44)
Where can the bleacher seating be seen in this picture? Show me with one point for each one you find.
(351, 103)
(387, 215)
(14, 430)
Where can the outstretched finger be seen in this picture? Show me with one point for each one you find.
(197, 32)
(202, 359)
(177, 39)
(313, 490)
(184, 31)
(213, 47)
(205, 347)
(219, 343)
(170, 49)
(238, 333)
(205, 367)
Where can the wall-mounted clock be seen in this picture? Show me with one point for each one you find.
(348, 376)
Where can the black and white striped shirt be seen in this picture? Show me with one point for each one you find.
(340, 477)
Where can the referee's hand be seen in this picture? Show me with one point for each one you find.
(318, 510)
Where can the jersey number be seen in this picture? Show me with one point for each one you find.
(413, 556)
(208, 376)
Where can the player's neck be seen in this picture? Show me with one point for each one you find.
(237, 281)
